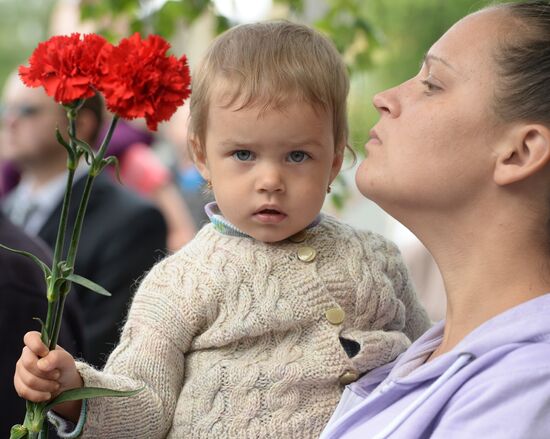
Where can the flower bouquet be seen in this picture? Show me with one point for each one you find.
(137, 79)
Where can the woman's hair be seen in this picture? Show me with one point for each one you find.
(267, 65)
(522, 92)
(523, 61)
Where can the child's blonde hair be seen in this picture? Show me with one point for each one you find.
(268, 64)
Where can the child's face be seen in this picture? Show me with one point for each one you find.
(270, 169)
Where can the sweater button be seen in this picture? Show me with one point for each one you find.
(335, 315)
(348, 377)
(298, 237)
(306, 254)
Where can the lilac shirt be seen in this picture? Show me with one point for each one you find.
(494, 384)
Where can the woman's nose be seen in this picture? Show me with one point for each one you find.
(387, 102)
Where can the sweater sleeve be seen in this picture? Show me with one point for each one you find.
(388, 315)
(163, 319)
(416, 318)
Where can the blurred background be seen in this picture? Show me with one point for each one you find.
(382, 42)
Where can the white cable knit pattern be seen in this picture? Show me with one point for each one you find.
(230, 337)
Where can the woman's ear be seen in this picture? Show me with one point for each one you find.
(198, 154)
(527, 152)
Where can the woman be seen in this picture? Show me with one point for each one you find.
(461, 156)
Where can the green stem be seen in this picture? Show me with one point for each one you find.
(77, 230)
(58, 286)
(75, 237)
(106, 140)
(53, 295)
(71, 256)
(58, 320)
(34, 417)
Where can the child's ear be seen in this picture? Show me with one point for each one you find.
(337, 162)
(199, 157)
(526, 152)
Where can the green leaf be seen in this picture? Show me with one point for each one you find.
(87, 283)
(113, 161)
(222, 24)
(61, 140)
(39, 320)
(87, 393)
(44, 267)
(84, 147)
(68, 147)
(18, 432)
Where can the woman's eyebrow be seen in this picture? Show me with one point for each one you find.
(428, 58)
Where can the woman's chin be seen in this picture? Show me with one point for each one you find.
(364, 181)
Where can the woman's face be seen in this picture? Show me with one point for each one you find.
(433, 147)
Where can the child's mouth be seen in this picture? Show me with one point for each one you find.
(269, 216)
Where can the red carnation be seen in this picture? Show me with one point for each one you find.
(66, 66)
(140, 80)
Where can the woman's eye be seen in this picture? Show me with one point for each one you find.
(243, 155)
(430, 86)
(298, 156)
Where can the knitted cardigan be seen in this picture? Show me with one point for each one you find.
(230, 336)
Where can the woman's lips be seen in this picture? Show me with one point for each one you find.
(374, 139)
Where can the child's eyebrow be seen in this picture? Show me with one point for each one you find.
(233, 143)
(306, 142)
(300, 143)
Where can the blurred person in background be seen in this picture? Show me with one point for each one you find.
(189, 181)
(122, 235)
(141, 170)
(9, 176)
(23, 297)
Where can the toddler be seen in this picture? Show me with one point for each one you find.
(253, 328)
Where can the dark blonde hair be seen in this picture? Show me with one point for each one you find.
(267, 65)
(523, 64)
(522, 89)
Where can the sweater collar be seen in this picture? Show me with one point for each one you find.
(222, 225)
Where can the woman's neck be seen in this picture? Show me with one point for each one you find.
(487, 270)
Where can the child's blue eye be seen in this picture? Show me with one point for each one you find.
(298, 156)
(243, 155)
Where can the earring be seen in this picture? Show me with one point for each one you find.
(329, 189)
(209, 184)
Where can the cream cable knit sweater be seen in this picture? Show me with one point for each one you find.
(230, 339)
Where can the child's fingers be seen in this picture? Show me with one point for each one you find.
(58, 359)
(35, 382)
(28, 393)
(33, 340)
(29, 360)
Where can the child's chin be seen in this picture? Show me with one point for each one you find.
(269, 237)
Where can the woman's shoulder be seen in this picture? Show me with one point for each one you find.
(522, 362)
(509, 396)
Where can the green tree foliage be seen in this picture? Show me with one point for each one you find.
(22, 26)
(406, 29)
(382, 42)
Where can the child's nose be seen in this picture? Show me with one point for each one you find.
(270, 179)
